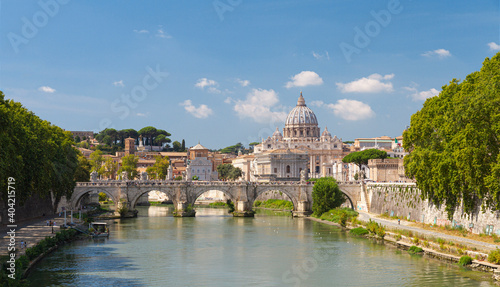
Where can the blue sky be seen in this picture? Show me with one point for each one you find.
(228, 71)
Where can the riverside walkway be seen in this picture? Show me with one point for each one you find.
(31, 232)
(406, 225)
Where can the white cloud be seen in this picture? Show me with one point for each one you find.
(228, 100)
(371, 84)
(119, 83)
(161, 34)
(257, 106)
(201, 112)
(440, 53)
(143, 31)
(304, 78)
(211, 85)
(317, 103)
(243, 83)
(351, 110)
(423, 95)
(46, 89)
(320, 56)
(494, 46)
(141, 115)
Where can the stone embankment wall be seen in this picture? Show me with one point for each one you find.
(404, 200)
(34, 207)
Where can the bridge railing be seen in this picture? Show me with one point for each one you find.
(176, 182)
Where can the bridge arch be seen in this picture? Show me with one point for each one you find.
(261, 190)
(202, 189)
(169, 192)
(349, 197)
(77, 196)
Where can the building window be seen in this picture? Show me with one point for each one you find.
(287, 169)
(275, 170)
(268, 146)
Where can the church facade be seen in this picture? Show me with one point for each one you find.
(302, 134)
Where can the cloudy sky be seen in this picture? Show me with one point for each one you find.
(228, 71)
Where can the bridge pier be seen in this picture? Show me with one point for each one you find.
(304, 209)
(243, 209)
(184, 209)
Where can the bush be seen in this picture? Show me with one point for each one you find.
(257, 203)
(359, 231)
(376, 228)
(326, 195)
(494, 256)
(230, 205)
(415, 249)
(465, 260)
(339, 214)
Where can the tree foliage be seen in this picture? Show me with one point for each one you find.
(326, 195)
(228, 171)
(454, 142)
(160, 169)
(361, 157)
(38, 155)
(82, 172)
(233, 149)
(97, 161)
(129, 165)
(109, 167)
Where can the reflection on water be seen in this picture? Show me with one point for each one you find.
(215, 249)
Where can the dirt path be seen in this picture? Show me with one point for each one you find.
(393, 223)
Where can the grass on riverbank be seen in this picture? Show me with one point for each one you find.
(274, 204)
(341, 216)
(217, 204)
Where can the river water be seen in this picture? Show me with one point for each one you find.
(215, 249)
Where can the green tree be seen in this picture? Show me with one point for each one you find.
(160, 169)
(176, 146)
(454, 144)
(97, 161)
(77, 139)
(361, 158)
(82, 172)
(37, 156)
(326, 195)
(161, 139)
(129, 165)
(233, 149)
(109, 168)
(228, 172)
(183, 145)
(107, 140)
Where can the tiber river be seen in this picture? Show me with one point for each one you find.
(215, 249)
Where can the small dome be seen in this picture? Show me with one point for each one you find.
(277, 134)
(326, 133)
(301, 114)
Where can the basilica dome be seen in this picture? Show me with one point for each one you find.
(301, 114)
(301, 122)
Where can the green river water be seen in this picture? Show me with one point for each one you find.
(215, 249)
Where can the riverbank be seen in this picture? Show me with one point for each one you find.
(443, 250)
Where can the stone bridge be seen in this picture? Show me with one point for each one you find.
(185, 193)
